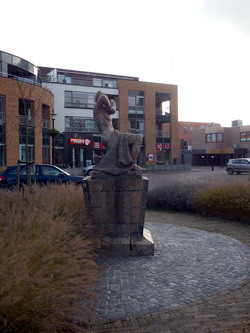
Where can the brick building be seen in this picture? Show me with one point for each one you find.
(139, 110)
(25, 112)
(216, 145)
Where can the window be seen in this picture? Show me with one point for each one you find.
(136, 126)
(136, 101)
(219, 137)
(26, 133)
(214, 137)
(80, 125)
(26, 112)
(245, 136)
(46, 116)
(185, 130)
(23, 171)
(49, 171)
(79, 99)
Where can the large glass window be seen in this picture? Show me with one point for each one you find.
(26, 112)
(214, 137)
(136, 126)
(136, 101)
(80, 125)
(22, 153)
(245, 136)
(79, 99)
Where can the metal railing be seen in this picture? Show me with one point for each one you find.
(46, 124)
(71, 80)
(23, 79)
(136, 131)
(23, 121)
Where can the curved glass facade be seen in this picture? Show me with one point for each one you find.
(13, 65)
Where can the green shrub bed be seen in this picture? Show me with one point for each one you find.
(46, 260)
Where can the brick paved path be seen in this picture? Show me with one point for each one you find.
(225, 309)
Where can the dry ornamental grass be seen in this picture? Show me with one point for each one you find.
(46, 260)
(224, 199)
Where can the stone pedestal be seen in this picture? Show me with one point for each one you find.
(117, 206)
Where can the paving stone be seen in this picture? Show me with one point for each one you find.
(198, 281)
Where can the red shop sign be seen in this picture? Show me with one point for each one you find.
(97, 145)
(84, 142)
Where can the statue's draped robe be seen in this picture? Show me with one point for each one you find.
(117, 159)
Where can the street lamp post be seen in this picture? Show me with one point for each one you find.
(212, 157)
(53, 117)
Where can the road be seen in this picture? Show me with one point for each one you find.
(197, 174)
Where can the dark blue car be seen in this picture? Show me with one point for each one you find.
(40, 174)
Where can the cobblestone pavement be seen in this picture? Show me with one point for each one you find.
(198, 281)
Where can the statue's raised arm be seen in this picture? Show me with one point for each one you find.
(122, 148)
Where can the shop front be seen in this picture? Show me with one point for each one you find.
(79, 149)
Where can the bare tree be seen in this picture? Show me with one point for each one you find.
(32, 114)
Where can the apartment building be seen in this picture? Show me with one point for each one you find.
(140, 109)
(25, 113)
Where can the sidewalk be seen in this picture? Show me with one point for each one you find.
(209, 292)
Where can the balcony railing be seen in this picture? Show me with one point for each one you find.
(23, 79)
(136, 131)
(87, 81)
(46, 123)
(79, 105)
(23, 121)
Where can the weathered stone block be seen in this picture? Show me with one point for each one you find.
(117, 246)
(122, 207)
(142, 245)
(117, 206)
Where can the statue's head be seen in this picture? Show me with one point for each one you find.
(98, 94)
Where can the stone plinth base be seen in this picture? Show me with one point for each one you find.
(117, 206)
(129, 245)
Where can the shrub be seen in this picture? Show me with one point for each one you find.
(46, 259)
(225, 201)
(229, 200)
(175, 194)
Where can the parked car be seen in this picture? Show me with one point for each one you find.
(88, 169)
(40, 174)
(238, 165)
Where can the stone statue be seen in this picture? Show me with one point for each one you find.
(122, 148)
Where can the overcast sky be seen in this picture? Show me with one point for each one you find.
(203, 46)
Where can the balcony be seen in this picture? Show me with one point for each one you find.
(136, 131)
(23, 79)
(80, 81)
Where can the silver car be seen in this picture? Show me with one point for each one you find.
(238, 165)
